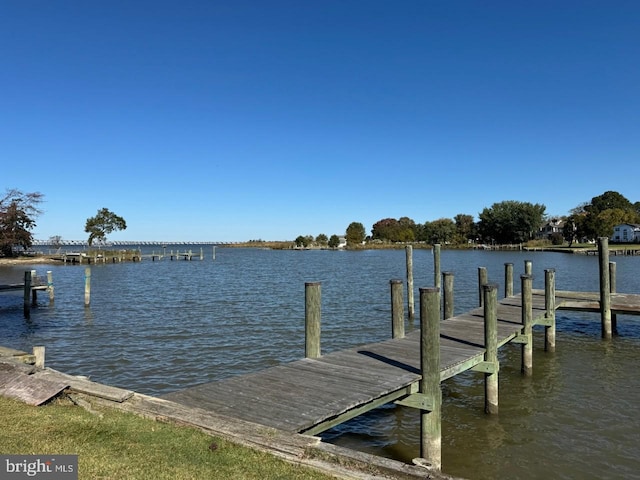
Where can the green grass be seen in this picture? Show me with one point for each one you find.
(117, 445)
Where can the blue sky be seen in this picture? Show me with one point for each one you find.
(251, 119)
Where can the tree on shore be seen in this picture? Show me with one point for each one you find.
(18, 212)
(355, 234)
(103, 223)
(511, 221)
(334, 241)
(597, 218)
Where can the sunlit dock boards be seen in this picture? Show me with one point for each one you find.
(312, 395)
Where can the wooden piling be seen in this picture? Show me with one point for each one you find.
(27, 294)
(436, 266)
(201, 254)
(430, 421)
(397, 309)
(447, 296)
(38, 352)
(550, 309)
(214, 252)
(87, 286)
(50, 288)
(491, 348)
(528, 267)
(527, 325)
(508, 279)
(410, 299)
(605, 288)
(482, 280)
(312, 316)
(34, 292)
(613, 289)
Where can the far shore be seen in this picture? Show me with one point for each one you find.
(634, 249)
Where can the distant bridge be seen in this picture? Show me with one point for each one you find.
(84, 243)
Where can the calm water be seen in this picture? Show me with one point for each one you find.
(156, 327)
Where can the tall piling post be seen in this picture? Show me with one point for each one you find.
(87, 286)
(613, 289)
(437, 276)
(430, 421)
(550, 309)
(527, 325)
(410, 299)
(508, 279)
(605, 288)
(447, 295)
(312, 318)
(50, 288)
(27, 294)
(528, 267)
(483, 279)
(491, 348)
(397, 309)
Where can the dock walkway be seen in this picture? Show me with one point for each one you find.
(312, 395)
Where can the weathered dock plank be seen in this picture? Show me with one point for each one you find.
(310, 395)
(303, 394)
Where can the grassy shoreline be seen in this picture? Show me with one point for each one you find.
(113, 445)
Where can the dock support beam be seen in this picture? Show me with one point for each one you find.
(430, 421)
(508, 279)
(550, 309)
(410, 300)
(87, 286)
(613, 289)
(437, 277)
(482, 280)
(447, 297)
(312, 314)
(397, 309)
(527, 325)
(50, 288)
(27, 294)
(605, 288)
(38, 353)
(491, 346)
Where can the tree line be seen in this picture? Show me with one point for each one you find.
(506, 222)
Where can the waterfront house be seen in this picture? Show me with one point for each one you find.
(626, 233)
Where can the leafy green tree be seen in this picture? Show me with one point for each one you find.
(322, 240)
(465, 228)
(334, 241)
(392, 230)
(511, 221)
(355, 234)
(104, 223)
(598, 217)
(442, 230)
(18, 211)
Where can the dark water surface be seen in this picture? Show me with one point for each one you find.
(156, 327)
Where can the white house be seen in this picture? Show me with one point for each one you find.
(554, 225)
(626, 233)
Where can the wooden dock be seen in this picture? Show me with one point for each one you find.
(314, 394)
(319, 392)
(30, 287)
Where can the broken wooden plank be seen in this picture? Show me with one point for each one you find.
(83, 385)
(28, 388)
